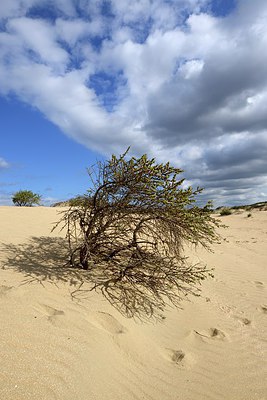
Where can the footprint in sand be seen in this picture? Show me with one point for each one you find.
(180, 358)
(177, 356)
(216, 333)
(52, 313)
(244, 321)
(4, 290)
(212, 333)
(108, 323)
(259, 284)
(263, 309)
(226, 309)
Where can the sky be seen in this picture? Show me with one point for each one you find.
(184, 81)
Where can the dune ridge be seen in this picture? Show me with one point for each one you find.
(61, 341)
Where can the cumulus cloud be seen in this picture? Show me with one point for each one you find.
(3, 163)
(171, 78)
(37, 37)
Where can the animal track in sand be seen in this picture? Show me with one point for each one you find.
(109, 323)
(4, 290)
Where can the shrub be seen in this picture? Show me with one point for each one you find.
(129, 230)
(225, 211)
(26, 198)
(78, 201)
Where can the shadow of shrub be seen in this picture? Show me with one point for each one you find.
(44, 259)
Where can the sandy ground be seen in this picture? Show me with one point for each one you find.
(57, 342)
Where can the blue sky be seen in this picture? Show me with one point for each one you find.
(40, 157)
(182, 80)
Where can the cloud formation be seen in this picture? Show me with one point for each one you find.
(3, 163)
(172, 78)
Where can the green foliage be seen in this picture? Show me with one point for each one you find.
(78, 201)
(26, 198)
(225, 211)
(129, 230)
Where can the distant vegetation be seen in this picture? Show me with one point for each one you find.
(261, 206)
(75, 201)
(26, 198)
(225, 211)
(128, 233)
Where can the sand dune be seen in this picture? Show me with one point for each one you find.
(61, 341)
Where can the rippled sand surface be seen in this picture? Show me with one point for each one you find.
(61, 341)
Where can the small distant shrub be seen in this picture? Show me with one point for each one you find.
(79, 201)
(249, 215)
(26, 198)
(225, 211)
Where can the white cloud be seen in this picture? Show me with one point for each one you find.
(3, 163)
(191, 68)
(38, 36)
(14, 8)
(73, 30)
(188, 89)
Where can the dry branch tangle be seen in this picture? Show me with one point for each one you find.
(128, 231)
